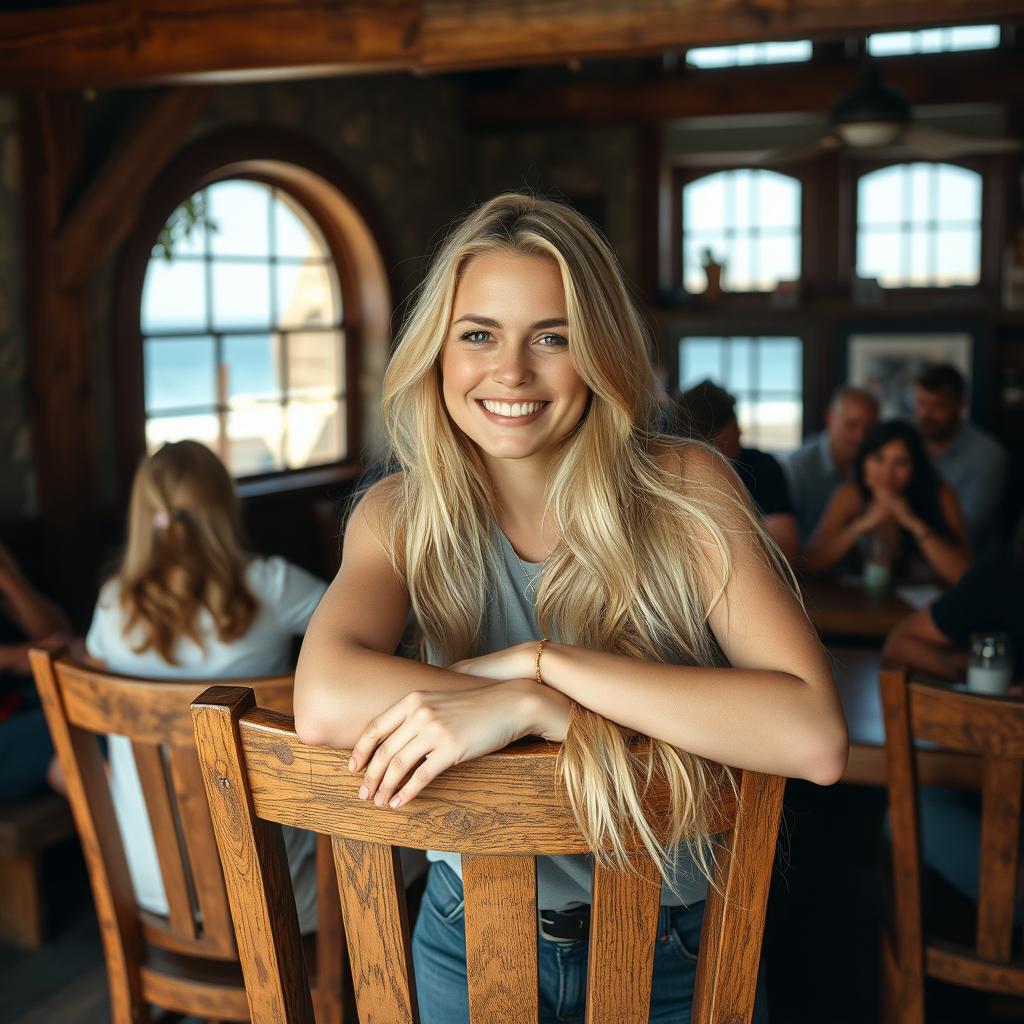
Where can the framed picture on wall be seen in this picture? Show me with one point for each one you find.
(887, 359)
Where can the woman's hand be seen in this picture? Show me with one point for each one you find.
(877, 513)
(516, 662)
(412, 742)
(900, 510)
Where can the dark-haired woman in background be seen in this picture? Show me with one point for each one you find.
(897, 495)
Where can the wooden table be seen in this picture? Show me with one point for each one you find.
(848, 612)
(856, 673)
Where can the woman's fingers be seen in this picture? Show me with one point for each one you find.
(402, 766)
(425, 773)
(382, 757)
(377, 730)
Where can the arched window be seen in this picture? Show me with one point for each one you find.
(243, 332)
(253, 310)
(747, 219)
(919, 225)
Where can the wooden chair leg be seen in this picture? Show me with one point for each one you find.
(21, 905)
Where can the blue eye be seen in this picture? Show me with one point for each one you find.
(553, 341)
(475, 337)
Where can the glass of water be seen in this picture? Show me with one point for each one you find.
(990, 667)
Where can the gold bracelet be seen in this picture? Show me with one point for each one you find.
(540, 651)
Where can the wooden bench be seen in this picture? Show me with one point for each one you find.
(28, 828)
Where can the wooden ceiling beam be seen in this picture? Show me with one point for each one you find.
(110, 43)
(953, 78)
(106, 211)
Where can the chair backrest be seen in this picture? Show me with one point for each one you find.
(991, 728)
(499, 812)
(83, 704)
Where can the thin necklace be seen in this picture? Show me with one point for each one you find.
(531, 581)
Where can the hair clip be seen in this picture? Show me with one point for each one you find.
(161, 519)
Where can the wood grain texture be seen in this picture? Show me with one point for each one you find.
(89, 795)
(501, 938)
(109, 42)
(509, 802)
(332, 973)
(377, 928)
(210, 896)
(730, 943)
(623, 930)
(104, 214)
(149, 762)
(990, 727)
(255, 868)
(1000, 850)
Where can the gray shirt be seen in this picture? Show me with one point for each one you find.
(812, 477)
(562, 881)
(974, 465)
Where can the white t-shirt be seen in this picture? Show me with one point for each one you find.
(287, 597)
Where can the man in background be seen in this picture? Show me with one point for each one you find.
(708, 412)
(825, 460)
(972, 462)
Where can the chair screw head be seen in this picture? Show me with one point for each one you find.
(224, 783)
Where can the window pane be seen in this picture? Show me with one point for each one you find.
(179, 373)
(254, 439)
(749, 53)
(315, 433)
(699, 359)
(919, 199)
(879, 199)
(202, 427)
(704, 204)
(740, 372)
(967, 37)
(315, 364)
(182, 244)
(959, 257)
(251, 367)
(295, 234)
(240, 212)
(732, 211)
(778, 423)
(241, 295)
(880, 255)
(780, 360)
(305, 295)
(174, 296)
(959, 194)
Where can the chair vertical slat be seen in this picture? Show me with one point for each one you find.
(256, 873)
(1000, 835)
(112, 892)
(623, 931)
(501, 938)
(734, 912)
(329, 993)
(149, 761)
(201, 844)
(901, 776)
(377, 928)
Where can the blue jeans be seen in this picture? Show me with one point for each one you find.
(439, 957)
(25, 751)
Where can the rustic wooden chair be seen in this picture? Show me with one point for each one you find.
(186, 962)
(993, 729)
(500, 812)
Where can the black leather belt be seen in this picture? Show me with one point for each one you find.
(566, 925)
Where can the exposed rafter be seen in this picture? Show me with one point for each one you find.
(124, 42)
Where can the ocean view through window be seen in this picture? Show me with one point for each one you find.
(243, 332)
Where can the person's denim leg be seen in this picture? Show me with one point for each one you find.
(439, 954)
(25, 752)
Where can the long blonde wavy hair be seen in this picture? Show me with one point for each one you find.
(184, 552)
(631, 559)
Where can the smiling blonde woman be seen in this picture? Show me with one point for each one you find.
(535, 498)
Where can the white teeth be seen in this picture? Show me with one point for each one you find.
(511, 409)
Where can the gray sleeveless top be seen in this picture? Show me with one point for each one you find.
(565, 880)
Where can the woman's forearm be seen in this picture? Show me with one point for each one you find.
(940, 660)
(762, 720)
(823, 552)
(947, 559)
(338, 691)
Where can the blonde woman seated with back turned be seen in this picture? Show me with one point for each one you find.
(536, 498)
(187, 602)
